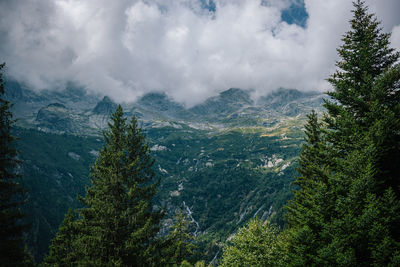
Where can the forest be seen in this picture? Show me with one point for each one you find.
(345, 205)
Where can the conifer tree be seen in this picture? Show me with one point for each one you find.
(12, 252)
(358, 220)
(119, 224)
(179, 243)
(364, 129)
(365, 102)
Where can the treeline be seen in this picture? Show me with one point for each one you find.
(346, 205)
(345, 209)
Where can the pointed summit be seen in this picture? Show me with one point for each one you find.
(236, 95)
(105, 106)
(160, 103)
(227, 102)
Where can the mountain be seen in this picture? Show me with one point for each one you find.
(88, 114)
(291, 102)
(56, 118)
(158, 105)
(227, 102)
(105, 107)
(223, 161)
(54, 171)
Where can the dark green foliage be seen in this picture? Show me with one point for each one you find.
(346, 210)
(311, 206)
(364, 130)
(117, 225)
(178, 245)
(224, 196)
(62, 248)
(55, 171)
(217, 195)
(12, 251)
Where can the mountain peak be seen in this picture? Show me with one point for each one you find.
(105, 106)
(227, 102)
(234, 92)
(160, 102)
(236, 95)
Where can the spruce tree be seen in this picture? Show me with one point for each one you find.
(12, 251)
(117, 225)
(364, 129)
(359, 220)
(365, 102)
(118, 222)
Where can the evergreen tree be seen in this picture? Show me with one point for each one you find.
(364, 129)
(12, 251)
(119, 222)
(179, 243)
(117, 226)
(365, 103)
(346, 210)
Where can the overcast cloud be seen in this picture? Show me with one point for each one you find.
(129, 47)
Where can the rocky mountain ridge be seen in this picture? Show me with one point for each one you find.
(73, 111)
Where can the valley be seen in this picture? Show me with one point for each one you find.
(222, 162)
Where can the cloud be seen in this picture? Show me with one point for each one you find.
(129, 47)
(396, 37)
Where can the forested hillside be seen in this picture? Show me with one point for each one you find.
(222, 173)
(288, 178)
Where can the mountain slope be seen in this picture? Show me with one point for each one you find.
(223, 161)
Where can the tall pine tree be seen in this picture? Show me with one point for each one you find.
(117, 226)
(364, 129)
(366, 97)
(358, 223)
(12, 251)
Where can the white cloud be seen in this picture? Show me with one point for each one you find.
(396, 37)
(130, 47)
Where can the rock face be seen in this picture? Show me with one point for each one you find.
(55, 117)
(291, 102)
(159, 103)
(85, 114)
(105, 107)
(225, 103)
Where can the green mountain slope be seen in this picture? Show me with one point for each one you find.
(55, 169)
(221, 166)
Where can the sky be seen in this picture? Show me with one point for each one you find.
(189, 49)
